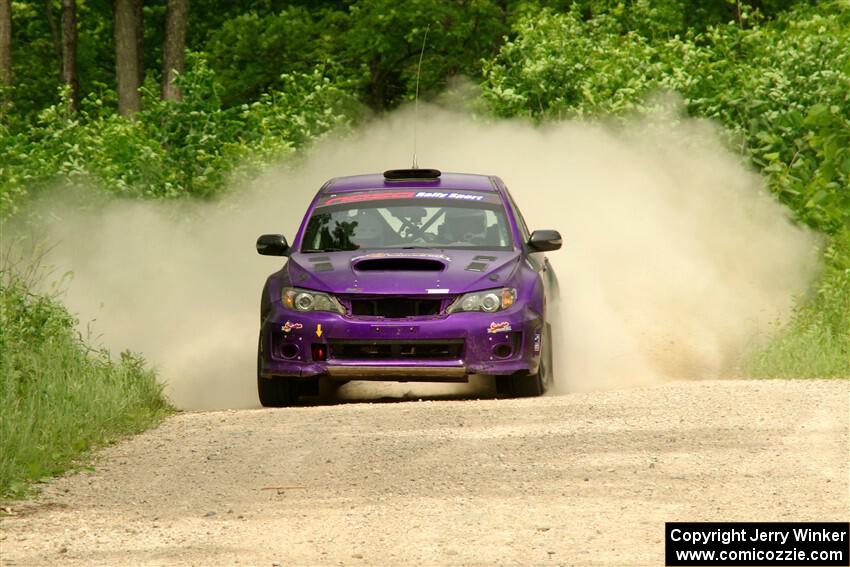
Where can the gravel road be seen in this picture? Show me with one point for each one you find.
(579, 479)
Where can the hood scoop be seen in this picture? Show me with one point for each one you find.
(399, 265)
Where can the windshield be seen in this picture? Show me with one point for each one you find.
(358, 221)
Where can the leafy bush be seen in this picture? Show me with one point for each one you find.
(251, 51)
(170, 149)
(560, 65)
(372, 46)
(816, 342)
(782, 91)
(58, 397)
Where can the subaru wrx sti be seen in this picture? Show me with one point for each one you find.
(409, 275)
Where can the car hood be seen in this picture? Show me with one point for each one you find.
(403, 272)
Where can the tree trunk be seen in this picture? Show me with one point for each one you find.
(128, 55)
(376, 94)
(69, 50)
(173, 47)
(54, 33)
(5, 43)
(138, 6)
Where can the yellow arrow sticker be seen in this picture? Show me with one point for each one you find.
(319, 330)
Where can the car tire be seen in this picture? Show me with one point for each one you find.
(328, 390)
(548, 357)
(529, 386)
(273, 392)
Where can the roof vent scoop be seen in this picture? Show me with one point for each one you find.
(415, 174)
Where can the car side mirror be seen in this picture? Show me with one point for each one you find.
(545, 240)
(272, 245)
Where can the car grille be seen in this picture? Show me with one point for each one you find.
(396, 350)
(395, 307)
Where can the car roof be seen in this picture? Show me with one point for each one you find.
(453, 181)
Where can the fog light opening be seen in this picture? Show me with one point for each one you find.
(320, 352)
(288, 350)
(502, 350)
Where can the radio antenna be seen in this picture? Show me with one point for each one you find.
(416, 97)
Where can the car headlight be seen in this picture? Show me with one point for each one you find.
(307, 300)
(489, 301)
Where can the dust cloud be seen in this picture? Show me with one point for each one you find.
(674, 258)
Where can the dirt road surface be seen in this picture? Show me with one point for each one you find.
(579, 479)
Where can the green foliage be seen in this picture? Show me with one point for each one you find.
(58, 397)
(384, 40)
(170, 149)
(38, 72)
(816, 343)
(251, 52)
(369, 44)
(783, 89)
(663, 19)
(560, 65)
(373, 46)
(35, 53)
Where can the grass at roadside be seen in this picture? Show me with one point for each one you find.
(58, 397)
(816, 342)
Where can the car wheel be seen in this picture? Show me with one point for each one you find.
(521, 386)
(549, 358)
(328, 389)
(273, 392)
(530, 385)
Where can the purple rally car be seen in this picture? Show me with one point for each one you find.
(413, 275)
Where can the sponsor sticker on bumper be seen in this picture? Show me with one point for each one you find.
(500, 327)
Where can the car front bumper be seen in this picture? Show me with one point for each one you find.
(503, 343)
